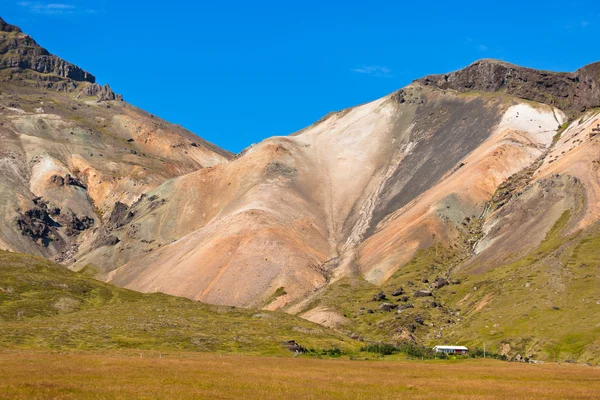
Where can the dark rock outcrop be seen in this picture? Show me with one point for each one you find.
(440, 283)
(6, 27)
(72, 181)
(104, 93)
(74, 224)
(292, 345)
(57, 180)
(105, 239)
(387, 307)
(379, 297)
(423, 293)
(37, 222)
(17, 50)
(120, 216)
(573, 92)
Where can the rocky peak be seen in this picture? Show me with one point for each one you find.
(21, 52)
(573, 92)
(6, 27)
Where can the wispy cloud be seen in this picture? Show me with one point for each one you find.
(583, 24)
(469, 41)
(374, 70)
(40, 7)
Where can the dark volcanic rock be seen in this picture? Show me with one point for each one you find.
(5, 27)
(120, 216)
(423, 293)
(57, 180)
(72, 181)
(18, 50)
(105, 239)
(379, 297)
(37, 223)
(572, 92)
(387, 307)
(439, 283)
(292, 345)
(104, 93)
(74, 224)
(398, 292)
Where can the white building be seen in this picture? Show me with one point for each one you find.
(451, 349)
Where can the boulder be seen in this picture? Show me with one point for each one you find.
(423, 293)
(293, 346)
(439, 283)
(387, 307)
(379, 297)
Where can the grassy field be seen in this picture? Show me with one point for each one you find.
(203, 375)
(45, 306)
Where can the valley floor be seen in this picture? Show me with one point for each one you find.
(207, 375)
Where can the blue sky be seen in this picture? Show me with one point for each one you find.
(235, 72)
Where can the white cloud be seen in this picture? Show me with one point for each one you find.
(482, 47)
(40, 7)
(374, 70)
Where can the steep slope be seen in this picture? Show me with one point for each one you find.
(292, 212)
(301, 222)
(72, 149)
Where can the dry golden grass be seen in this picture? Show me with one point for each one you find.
(203, 375)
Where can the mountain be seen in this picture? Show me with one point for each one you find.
(461, 208)
(318, 223)
(72, 149)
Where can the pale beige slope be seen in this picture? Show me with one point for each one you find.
(251, 228)
(279, 210)
(291, 212)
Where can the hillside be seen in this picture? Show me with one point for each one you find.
(464, 207)
(71, 149)
(43, 305)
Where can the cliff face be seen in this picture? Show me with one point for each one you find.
(573, 92)
(18, 50)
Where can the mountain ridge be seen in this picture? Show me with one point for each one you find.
(573, 92)
(453, 192)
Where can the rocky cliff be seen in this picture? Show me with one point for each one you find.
(18, 50)
(573, 92)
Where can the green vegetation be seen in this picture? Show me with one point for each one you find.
(396, 319)
(543, 305)
(46, 306)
